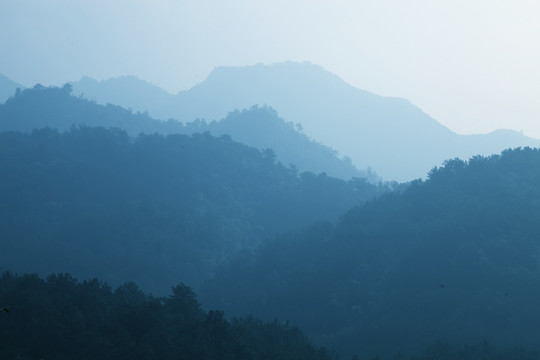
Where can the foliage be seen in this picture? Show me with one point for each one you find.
(155, 209)
(454, 258)
(481, 350)
(261, 127)
(62, 318)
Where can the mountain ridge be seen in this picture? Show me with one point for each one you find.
(258, 127)
(452, 259)
(391, 135)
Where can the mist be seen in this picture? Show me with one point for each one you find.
(270, 180)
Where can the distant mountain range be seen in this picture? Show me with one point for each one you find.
(259, 127)
(391, 135)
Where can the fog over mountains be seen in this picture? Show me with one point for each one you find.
(391, 135)
(258, 127)
(215, 195)
(269, 180)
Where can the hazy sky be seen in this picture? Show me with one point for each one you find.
(473, 65)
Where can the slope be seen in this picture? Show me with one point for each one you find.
(391, 135)
(53, 107)
(153, 209)
(127, 91)
(261, 127)
(453, 259)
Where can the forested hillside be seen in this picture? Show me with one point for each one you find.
(455, 258)
(154, 209)
(61, 318)
(260, 127)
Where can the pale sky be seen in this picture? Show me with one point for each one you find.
(472, 65)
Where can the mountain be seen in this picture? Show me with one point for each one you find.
(7, 88)
(54, 107)
(260, 127)
(127, 91)
(391, 135)
(452, 259)
(153, 209)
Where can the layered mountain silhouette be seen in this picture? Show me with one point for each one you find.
(154, 209)
(259, 127)
(391, 135)
(453, 258)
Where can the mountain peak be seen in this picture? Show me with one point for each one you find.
(290, 74)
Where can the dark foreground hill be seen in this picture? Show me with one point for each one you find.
(154, 209)
(391, 135)
(61, 318)
(455, 258)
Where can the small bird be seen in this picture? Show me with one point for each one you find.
(5, 309)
